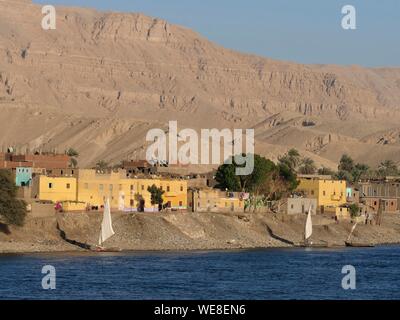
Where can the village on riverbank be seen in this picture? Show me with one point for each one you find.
(267, 208)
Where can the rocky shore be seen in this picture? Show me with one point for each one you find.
(187, 231)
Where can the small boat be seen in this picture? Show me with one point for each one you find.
(312, 245)
(307, 235)
(359, 245)
(106, 231)
(356, 244)
(102, 249)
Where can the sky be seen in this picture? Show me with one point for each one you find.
(305, 31)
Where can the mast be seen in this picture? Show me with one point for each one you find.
(351, 232)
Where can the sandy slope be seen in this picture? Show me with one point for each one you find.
(189, 231)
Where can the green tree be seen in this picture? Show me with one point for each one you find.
(344, 175)
(326, 171)
(289, 177)
(156, 195)
(354, 210)
(73, 154)
(291, 159)
(12, 210)
(307, 166)
(102, 166)
(387, 168)
(227, 178)
(359, 171)
(346, 163)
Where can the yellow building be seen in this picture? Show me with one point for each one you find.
(125, 194)
(54, 189)
(328, 192)
(213, 200)
(175, 195)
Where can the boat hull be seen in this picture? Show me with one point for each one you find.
(312, 246)
(102, 249)
(359, 245)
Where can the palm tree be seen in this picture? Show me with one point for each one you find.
(308, 166)
(73, 154)
(346, 163)
(388, 168)
(291, 159)
(101, 166)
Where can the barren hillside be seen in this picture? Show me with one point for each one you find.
(101, 80)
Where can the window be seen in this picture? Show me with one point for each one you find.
(168, 188)
(323, 193)
(131, 187)
(50, 185)
(180, 203)
(291, 206)
(68, 186)
(142, 187)
(110, 187)
(181, 188)
(101, 187)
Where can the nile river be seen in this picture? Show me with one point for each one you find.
(244, 274)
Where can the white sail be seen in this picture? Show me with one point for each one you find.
(106, 226)
(308, 227)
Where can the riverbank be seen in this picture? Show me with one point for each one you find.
(187, 231)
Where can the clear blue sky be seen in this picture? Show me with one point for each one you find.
(307, 31)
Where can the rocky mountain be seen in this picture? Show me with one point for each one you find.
(101, 80)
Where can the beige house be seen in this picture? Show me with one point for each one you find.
(213, 200)
(299, 205)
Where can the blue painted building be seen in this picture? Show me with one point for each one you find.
(23, 176)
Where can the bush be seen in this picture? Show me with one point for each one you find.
(12, 210)
(354, 210)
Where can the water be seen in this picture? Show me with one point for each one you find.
(244, 274)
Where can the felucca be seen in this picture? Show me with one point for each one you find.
(356, 244)
(308, 230)
(107, 230)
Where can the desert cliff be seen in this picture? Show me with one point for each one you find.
(101, 80)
